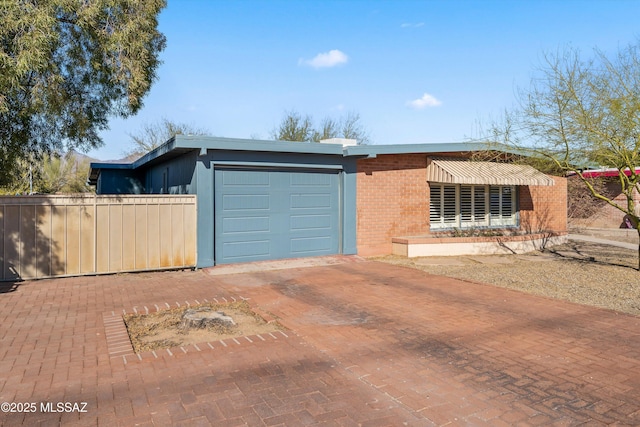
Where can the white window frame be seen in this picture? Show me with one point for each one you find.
(502, 214)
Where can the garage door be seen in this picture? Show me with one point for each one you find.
(271, 214)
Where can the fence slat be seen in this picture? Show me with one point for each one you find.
(12, 244)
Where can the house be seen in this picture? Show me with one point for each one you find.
(259, 200)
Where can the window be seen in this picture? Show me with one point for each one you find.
(470, 206)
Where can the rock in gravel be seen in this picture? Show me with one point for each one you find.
(203, 317)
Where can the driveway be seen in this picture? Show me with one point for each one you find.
(367, 344)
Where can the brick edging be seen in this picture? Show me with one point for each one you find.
(119, 344)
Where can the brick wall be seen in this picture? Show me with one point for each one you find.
(392, 201)
(544, 208)
(605, 215)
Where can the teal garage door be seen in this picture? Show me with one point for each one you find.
(263, 214)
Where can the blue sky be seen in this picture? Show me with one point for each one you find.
(415, 71)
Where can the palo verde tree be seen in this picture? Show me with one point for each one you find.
(66, 66)
(53, 173)
(295, 127)
(580, 112)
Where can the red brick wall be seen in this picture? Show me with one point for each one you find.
(544, 208)
(606, 216)
(393, 201)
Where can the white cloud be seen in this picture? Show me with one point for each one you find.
(426, 101)
(325, 60)
(410, 25)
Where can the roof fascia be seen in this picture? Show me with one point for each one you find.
(375, 150)
(155, 153)
(216, 143)
(108, 165)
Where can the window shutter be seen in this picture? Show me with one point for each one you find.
(449, 208)
(479, 205)
(435, 205)
(507, 202)
(494, 202)
(466, 205)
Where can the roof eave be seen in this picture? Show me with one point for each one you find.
(234, 144)
(452, 147)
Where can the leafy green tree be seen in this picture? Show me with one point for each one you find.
(66, 66)
(153, 135)
(51, 174)
(295, 127)
(62, 174)
(20, 184)
(578, 113)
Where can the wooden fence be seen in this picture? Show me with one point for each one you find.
(50, 236)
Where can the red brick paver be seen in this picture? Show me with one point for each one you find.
(369, 344)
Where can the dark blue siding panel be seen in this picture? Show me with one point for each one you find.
(274, 214)
(175, 176)
(118, 181)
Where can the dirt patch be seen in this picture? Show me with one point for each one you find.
(163, 329)
(582, 272)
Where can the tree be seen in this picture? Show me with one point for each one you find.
(352, 128)
(578, 113)
(63, 174)
(51, 174)
(153, 135)
(294, 127)
(66, 66)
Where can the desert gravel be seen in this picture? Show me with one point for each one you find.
(581, 272)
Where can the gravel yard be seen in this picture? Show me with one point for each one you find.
(581, 272)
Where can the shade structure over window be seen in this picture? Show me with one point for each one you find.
(462, 171)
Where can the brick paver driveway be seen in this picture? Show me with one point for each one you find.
(367, 344)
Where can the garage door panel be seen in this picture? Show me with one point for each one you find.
(246, 250)
(242, 179)
(310, 180)
(244, 202)
(314, 245)
(274, 214)
(246, 224)
(308, 201)
(307, 222)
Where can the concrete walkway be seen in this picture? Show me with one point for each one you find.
(367, 344)
(592, 239)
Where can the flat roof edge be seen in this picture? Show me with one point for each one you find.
(110, 165)
(217, 143)
(198, 142)
(373, 150)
